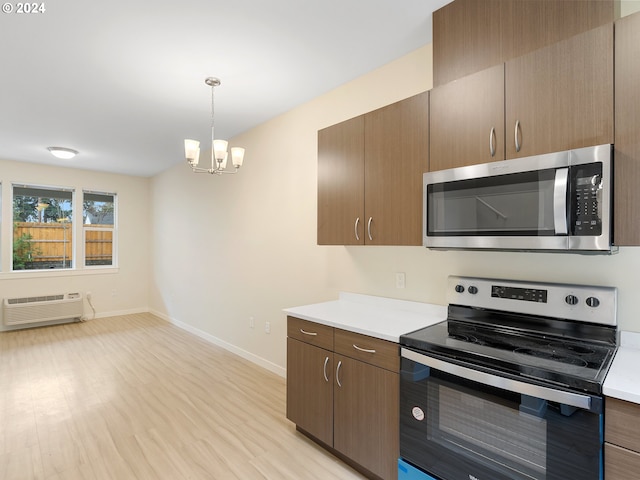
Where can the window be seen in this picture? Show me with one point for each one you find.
(98, 220)
(42, 228)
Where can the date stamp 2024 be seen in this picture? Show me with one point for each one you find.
(24, 8)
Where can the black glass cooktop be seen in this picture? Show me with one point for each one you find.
(520, 347)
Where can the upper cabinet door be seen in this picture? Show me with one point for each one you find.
(561, 97)
(529, 25)
(341, 183)
(472, 35)
(467, 38)
(396, 156)
(627, 143)
(467, 120)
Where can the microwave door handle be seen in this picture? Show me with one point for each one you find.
(560, 201)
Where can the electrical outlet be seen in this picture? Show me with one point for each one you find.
(267, 327)
(400, 280)
(252, 322)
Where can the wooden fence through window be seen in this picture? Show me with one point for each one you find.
(52, 243)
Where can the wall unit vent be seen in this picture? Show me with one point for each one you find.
(44, 308)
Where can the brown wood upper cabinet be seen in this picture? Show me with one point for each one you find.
(561, 97)
(370, 176)
(627, 139)
(467, 120)
(341, 183)
(471, 35)
(557, 98)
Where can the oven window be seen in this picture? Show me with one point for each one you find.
(467, 423)
(518, 204)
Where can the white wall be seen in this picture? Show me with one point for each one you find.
(627, 7)
(115, 290)
(242, 246)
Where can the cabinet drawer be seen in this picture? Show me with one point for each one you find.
(310, 332)
(375, 351)
(620, 463)
(622, 423)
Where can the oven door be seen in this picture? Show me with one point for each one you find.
(455, 428)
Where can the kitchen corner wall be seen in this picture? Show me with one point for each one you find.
(114, 291)
(228, 249)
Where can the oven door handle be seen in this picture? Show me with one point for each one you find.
(545, 393)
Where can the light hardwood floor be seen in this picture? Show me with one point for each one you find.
(134, 397)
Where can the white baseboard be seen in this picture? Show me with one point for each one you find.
(89, 315)
(266, 364)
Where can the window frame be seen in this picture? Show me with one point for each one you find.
(53, 189)
(113, 229)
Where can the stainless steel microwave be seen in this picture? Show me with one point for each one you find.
(555, 202)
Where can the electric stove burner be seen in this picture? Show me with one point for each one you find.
(551, 354)
(580, 349)
(463, 338)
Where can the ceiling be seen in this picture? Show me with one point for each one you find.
(122, 81)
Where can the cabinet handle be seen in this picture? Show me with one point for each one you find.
(338, 373)
(492, 139)
(366, 350)
(355, 228)
(516, 132)
(324, 371)
(313, 334)
(369, 228)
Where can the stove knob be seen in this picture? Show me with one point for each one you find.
(473, 290)
(571, 299)
(459, 288)
(593, 302)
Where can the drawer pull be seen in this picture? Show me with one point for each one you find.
(338, 373)
(326, 361)
(517, 131)
(355, 228)
(313, 334)
(369, 228)
(365, 350)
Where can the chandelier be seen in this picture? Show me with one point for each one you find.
(219, 152)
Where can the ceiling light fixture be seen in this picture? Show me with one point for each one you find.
(62, 152)
(218, 147)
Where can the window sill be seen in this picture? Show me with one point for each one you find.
(68, 272)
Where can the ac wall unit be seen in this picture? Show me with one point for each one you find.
(26, 310)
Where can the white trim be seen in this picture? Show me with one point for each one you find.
(261, 362)
(59, 272)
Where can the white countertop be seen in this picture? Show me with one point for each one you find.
(379, 317)
(623, 378)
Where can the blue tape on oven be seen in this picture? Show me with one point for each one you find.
(409, 472)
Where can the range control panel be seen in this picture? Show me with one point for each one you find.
(518, 293)
(593, 304)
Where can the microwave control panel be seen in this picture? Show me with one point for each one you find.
(586, 188)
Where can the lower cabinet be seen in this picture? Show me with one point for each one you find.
(345, 396)
(622, 440)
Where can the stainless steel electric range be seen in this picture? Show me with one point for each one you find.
(509, 387)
